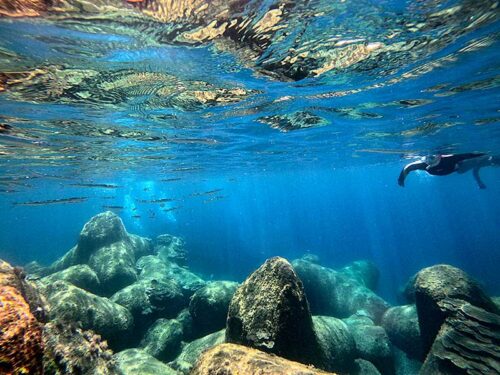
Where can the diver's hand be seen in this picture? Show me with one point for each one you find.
(401, 181)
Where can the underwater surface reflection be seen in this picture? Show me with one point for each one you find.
(189, 186)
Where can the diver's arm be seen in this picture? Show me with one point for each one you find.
(480, 183)
(417, 165)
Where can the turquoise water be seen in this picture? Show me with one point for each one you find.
(301, 160)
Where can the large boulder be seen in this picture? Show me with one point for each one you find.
(150, 299)
(114, 264)
(336, 342)
(338, 294)
(70, 350)
(436, 283)
(71, 304)
(364, 367)
(163, 339)
(171, 249)
(152, 267)
(401, 325)
(467, 342)
(192, 351)
(21, 345)
(364, 272)
(209, 305)
(269, 311)
(231, 359)
(136, 361)
(80, 275)
(372, 342)
(106, 247)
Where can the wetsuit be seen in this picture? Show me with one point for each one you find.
(447, 164)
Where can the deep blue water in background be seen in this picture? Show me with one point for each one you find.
(339, 214)
(82, 104)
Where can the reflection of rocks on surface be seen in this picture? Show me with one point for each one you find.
(294, 121)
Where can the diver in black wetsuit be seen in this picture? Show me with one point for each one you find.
(442, 165)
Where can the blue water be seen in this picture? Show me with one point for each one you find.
(329, 190)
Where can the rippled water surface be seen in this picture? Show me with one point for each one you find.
(252, 106)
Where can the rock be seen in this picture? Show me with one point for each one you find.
(404, 365)
(185, 318)
(115, 266)
(142, 246)
(407, 293)
(364, 367)
(332, 293)
(151, 299)
(152, 267)
(209, 306)
(70, 350)
(269, 311)
(364, 272)
(136, 361)
(192, 351)
(69, 303)
(108, 249)
(163, 339)
(401, 325)
(372, 342)
(231, 359)
(496, 301)
(101, 230)
(467, 342)
(21, 346)
(432, 285)
(171, 249)
(80, 275)
(336, 343)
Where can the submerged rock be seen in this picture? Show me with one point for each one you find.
(192, 351)
(79, 275)
(364, 367)
(269, 311)
(69, 303)
(136, 361)
(153, 268)
(21, 345)
(467, 342)
(372, 342)
(108, 249)
(336, 342)
(114, 265)
(231, 359)
(401, 325)
(209, 306)
(171, 249)
(404, 364)
(163, 339)
(150, 299)
(436, 283)
(70, 350)
(333, 293)
(364, 272)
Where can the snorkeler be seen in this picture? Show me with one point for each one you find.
(442, 165)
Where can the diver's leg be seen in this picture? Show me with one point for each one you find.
(477, 177)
